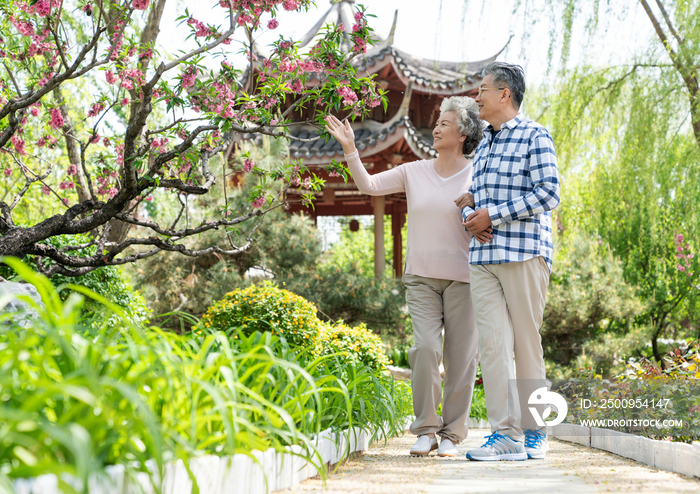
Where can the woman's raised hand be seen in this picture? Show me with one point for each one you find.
(342, 132)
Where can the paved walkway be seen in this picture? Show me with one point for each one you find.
(569, 468)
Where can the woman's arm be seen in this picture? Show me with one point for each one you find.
(379, 184)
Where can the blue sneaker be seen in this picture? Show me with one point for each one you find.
(536, 444)
(498, 447)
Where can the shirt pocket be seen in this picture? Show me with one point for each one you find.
(513, 165)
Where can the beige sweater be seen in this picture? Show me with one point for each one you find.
(437, 244)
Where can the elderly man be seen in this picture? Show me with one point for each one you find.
(516, 185)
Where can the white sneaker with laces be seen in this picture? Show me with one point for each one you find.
(536, 444)
(447, 448)
(424, 445)
(498, 447)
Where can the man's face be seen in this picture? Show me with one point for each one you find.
(489, 99)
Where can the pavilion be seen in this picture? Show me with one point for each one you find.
(386, 139)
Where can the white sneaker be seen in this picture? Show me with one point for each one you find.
(536, 444)
(447, 448)
(424, 445)
(498, 447)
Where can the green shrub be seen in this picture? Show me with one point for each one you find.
(357, 344)
(265, 307)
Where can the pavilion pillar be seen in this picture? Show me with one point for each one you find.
(397, 220)
(379, 204)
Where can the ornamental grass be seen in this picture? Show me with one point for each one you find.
(76, 398)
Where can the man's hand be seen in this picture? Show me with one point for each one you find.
(465, 200)
(485, 237)
(478, 221)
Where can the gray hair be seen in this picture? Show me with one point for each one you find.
(510, 75)
(468, 121)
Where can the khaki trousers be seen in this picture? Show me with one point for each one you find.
(434, 304)
(509, 303)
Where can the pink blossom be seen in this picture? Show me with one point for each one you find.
(248, 165)
(340, 28)
(105, 142)
(34, 112)
(42, 8)
(124, 101)
(67, 184)
(274, 121)
(72, 170)
(18, 144)
(95, 139)
(148, 199)
(259, 202)
(374, 103)
(95, 109)
(45, 190)
(680, 267)
(87, 9)
(140, 4)
(56, 119)
(273, 24)
(147, 55)
(188, 78)
(349, 96)
(286, 66)
(290, 5)
(307, 183)
(25, 28)
(8, 172)
(297, 86)
(359, 16)
(112, 192)
(111, 78)
(127, 84)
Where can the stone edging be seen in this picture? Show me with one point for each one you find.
(665, 455)
(218, 475)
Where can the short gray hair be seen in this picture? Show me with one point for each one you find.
(513, 76)
(468, 121)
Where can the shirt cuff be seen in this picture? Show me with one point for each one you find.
(466, 211)
(495, 216)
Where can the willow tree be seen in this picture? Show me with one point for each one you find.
(627, 135)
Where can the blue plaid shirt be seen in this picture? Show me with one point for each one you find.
(516, 178)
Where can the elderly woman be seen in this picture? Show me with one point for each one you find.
(437, 270)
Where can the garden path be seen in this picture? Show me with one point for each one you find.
(569, 468)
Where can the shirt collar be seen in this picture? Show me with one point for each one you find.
(510, 124)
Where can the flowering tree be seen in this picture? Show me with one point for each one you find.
(154, 121)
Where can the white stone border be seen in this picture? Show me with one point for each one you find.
(665, 455)
(237, 474)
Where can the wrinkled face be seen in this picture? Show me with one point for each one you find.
(489, 98)
(446, 133)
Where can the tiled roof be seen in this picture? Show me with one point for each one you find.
(365, 137)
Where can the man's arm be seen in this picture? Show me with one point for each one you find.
(545, 179)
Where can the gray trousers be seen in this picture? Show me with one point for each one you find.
(509, 305)
(434, 304)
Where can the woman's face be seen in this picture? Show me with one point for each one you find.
(446, 133)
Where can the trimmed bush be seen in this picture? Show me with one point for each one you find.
(357, 344)
(265, 307)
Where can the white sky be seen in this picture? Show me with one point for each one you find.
(458, 30)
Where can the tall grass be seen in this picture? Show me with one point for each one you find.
(76, 397)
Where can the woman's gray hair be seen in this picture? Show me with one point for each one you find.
(468, 121)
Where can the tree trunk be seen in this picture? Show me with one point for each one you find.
(120, 230)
